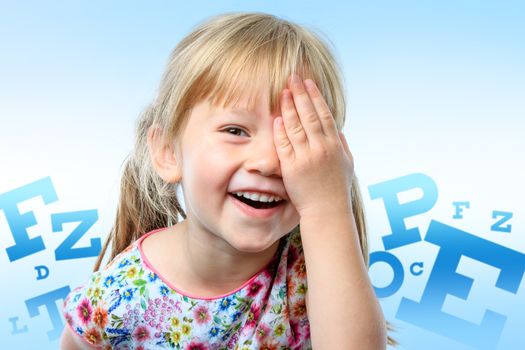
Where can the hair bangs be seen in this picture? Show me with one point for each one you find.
(250, 72)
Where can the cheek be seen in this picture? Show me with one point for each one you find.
(209, 168)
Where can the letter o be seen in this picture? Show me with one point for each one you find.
(397, 268)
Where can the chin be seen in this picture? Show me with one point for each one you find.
(252, 245)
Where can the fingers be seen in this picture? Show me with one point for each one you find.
(306, 117)
(282, 142)
(322, 109)
(307, 112)
(292, 123)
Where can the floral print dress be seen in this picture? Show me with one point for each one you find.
(128, 305)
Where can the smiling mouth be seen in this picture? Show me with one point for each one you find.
(257, 204)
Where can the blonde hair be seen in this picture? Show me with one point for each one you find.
(221, 58)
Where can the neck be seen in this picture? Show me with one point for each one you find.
(213, 266)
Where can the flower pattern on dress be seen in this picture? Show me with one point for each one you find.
(127, 305)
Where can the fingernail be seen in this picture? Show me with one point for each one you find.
(309, 84)
(295, 79)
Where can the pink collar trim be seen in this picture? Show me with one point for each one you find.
(170, 285)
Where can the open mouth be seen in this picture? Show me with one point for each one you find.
(257, 204)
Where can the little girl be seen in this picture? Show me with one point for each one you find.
(247, 121)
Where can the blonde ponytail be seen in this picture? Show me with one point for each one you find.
(146, 203)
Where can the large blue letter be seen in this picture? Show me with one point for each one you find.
(397, 212)
(86, 218)
(49, 301)
(444, 280)
(397, 269)
(18, 223)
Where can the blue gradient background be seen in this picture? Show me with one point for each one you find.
(433, 87)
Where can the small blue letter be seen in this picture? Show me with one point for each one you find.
(497, 225)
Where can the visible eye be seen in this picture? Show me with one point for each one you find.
(234, 129)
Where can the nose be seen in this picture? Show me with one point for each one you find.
(263, 159)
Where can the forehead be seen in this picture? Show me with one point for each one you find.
(253, 101)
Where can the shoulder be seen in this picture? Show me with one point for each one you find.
(87, 308)
(288, 299)
(70, 341)
(297, 282)
(291, 272)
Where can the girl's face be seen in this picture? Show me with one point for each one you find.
(225, 151)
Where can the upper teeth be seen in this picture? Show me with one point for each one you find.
(259, 197)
